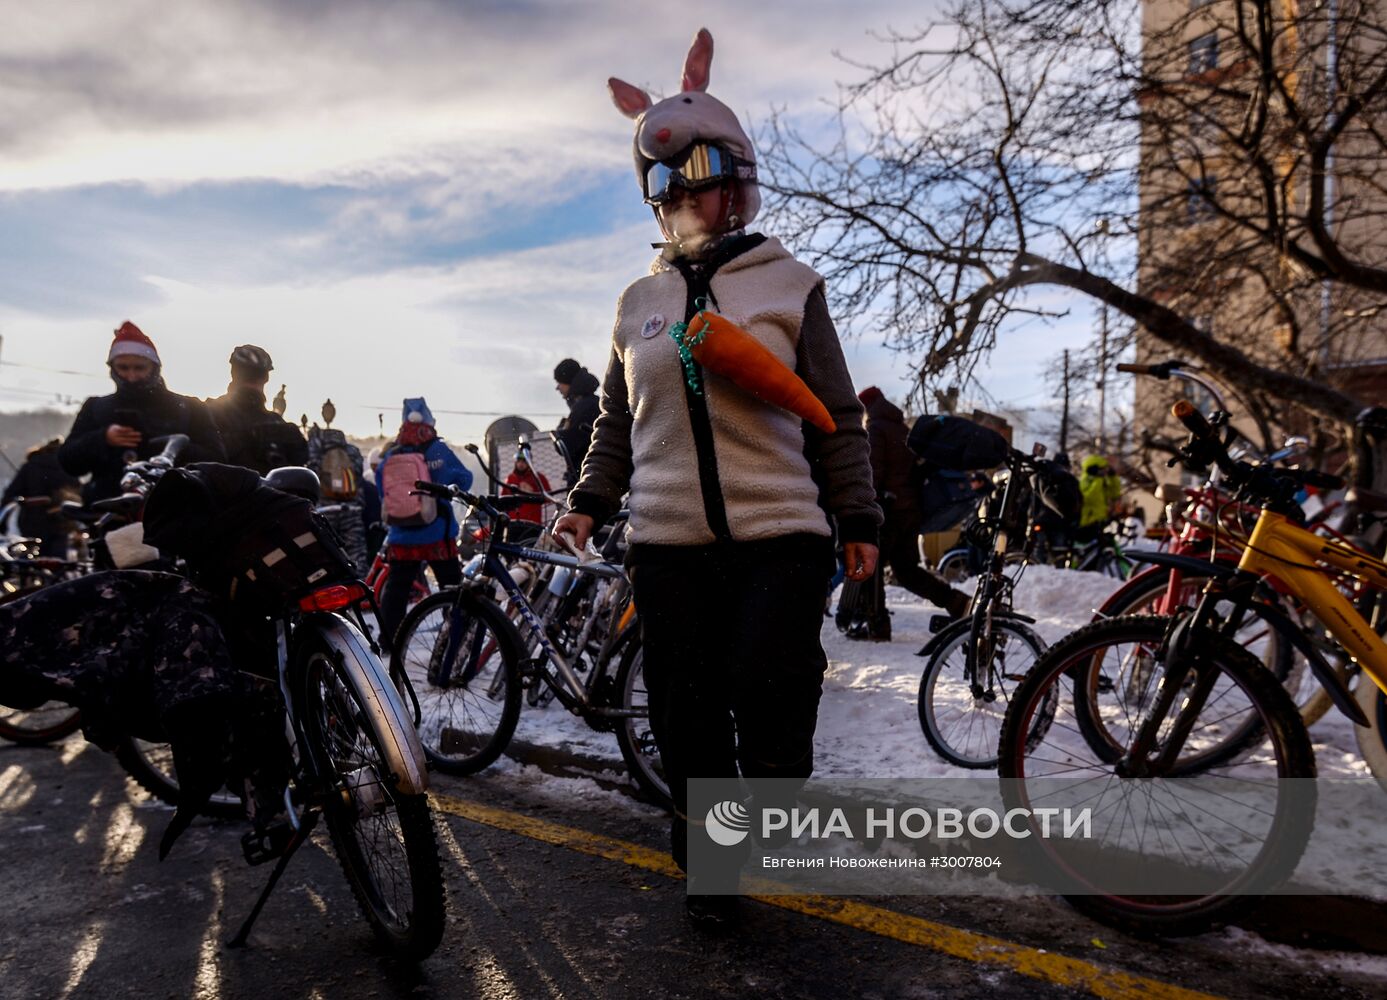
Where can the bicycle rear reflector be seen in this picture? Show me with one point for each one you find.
(333, 598)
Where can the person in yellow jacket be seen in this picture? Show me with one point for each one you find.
(1101, 489)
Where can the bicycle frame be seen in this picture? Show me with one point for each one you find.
(1281, 549)
(572, 693)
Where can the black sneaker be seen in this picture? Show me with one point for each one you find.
(715, 914)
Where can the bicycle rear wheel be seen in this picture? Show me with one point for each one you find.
(462, 656)
(1176, 851)
(634, 734)
(151, 766)
(384, 839)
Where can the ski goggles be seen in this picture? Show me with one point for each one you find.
(699, 166)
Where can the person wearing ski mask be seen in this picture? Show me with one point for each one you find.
(111, 431)
(733, 500)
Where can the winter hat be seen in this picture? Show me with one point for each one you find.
(416, 411)
(666, 128)
(566, 371)
(869, 395)
(130, 340)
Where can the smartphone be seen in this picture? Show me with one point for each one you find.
(129, 418)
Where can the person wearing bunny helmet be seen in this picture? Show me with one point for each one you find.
(733, 496)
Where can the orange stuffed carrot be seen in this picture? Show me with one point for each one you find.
(721, 346)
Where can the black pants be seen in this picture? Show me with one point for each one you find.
(448, 573)
(900, 549)
(732, 660)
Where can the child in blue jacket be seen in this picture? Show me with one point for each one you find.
(436, 543)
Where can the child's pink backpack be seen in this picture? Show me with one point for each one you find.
(400, 506)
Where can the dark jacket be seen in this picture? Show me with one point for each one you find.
(158, 413)
(893, 463)
(255, 437)
(41, 476)
(575, 430)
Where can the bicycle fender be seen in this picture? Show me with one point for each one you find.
(1319, 666)
(1188, 563)
(370, 681)
(962, 625)
(1160, 561)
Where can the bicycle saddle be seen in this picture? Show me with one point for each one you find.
(127, 505)
(1366, 501)
(74, 511)
(296, 481)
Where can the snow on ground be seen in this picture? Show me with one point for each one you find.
(868, 722)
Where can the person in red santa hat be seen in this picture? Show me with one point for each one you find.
(111, 431)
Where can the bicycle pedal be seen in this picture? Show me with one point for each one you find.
(259, 846)
(938, 623)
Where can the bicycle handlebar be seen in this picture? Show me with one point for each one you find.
(1161, 371)
(1265, 481)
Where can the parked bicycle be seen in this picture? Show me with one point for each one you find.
(975, 662)
(470, 661)
(1215, 716)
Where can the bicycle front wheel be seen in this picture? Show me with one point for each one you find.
(966, 685)
(634, 735)
(462, 656)
(384, 839)
(1178, 847)
(1372, 738)
(42, 724)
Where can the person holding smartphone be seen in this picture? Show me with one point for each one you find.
(111, 431)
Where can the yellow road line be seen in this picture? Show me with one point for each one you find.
(1111, 984)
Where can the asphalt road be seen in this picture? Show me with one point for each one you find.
(87, 910)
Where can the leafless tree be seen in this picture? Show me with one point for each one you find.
(1230, 202)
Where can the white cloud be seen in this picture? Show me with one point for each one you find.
(170, 93)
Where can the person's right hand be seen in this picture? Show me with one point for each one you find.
(118, 436)
(576, 526)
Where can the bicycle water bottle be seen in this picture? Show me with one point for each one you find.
(559, 583)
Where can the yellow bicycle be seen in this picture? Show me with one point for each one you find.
(1206, 772)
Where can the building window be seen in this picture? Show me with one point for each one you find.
(1199, 202)
(1204, 53)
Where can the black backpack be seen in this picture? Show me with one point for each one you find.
(1059, 490)
(948, 442)
(244, 541)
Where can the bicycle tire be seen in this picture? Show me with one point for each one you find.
(1150, 585)
(449, 748)
(1283, 728)
(334, 722)
(43, 724)
(1372, 738)
(942, 734)
(146, 764)
(634, 735)
(953, 566)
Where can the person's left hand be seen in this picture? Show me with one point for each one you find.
(861, 560)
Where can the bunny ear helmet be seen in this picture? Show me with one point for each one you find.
(629, 100)
(698, 62)
(666, 127)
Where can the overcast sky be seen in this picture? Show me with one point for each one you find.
(394, 199)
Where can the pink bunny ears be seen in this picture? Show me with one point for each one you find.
(633, 102)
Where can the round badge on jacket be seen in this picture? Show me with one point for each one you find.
(653, 326)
